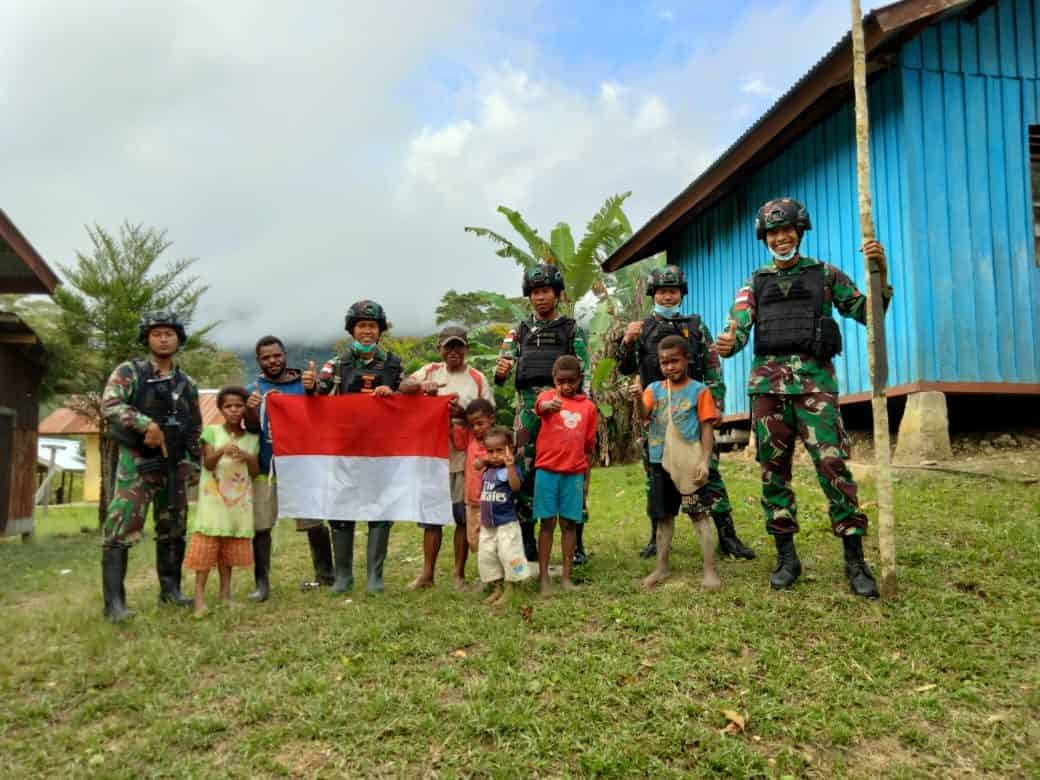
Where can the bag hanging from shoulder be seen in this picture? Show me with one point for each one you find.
(682, 459)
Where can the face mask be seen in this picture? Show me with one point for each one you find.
(364, 349)
(784, 258)
(668, 312)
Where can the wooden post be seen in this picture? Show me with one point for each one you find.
(878, 357)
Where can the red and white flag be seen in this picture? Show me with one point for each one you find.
(362, 458)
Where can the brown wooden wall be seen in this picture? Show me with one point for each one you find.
(21, 369)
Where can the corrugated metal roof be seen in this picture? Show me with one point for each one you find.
(897, 16)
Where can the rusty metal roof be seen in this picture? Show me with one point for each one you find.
(811, 98)
(67, 422)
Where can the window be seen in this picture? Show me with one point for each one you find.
(1034, 173)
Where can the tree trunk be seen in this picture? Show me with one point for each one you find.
(878, 359)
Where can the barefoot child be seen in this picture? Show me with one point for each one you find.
(682, 415)
(223, 527)
(480, 416)
(565, 438)
(500, 557)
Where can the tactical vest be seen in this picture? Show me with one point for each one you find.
(539, 348)
(654, 332)
(789, 316)
(163, 399)
(358, 377)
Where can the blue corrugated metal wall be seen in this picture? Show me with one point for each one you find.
(962, 275)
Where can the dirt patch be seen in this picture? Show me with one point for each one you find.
(304, 758)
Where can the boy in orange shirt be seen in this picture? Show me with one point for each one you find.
(565, 438)
(480, 416)
(688, 406)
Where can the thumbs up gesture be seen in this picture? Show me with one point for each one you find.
(728, 340)
(309, 378)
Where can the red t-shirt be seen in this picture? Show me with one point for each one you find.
(463, 439)
(566, 437)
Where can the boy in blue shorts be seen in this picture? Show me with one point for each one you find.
(566, 436)
(682, 416)
(500, 555)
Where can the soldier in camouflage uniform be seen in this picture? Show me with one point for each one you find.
(533, 347)
(364, 368)
(793, 389)
(637, 353)
(152, 409)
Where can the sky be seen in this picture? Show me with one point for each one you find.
(309, 158)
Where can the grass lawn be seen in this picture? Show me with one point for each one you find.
(605, 682)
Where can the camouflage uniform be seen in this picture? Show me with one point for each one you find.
(628, 358)
(136, 488)
(527, 422)
(796, 397)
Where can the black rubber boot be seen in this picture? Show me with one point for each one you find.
(113, 572)
(651, 547)
(730, 545)
(580, 557)
(788, 567)
(125, 556)
(343, 545)
(530, 541)
(261, 566)
(861, 581)
(321, 555)
(169, 556)
(378, 540)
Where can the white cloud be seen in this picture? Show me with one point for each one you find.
(755, 86)
(285, 147)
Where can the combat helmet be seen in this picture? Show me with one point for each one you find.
(779, 212)
(669, 276)
(543, 275)
(156, 319)
(365, 310)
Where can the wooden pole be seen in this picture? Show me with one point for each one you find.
(878, 356)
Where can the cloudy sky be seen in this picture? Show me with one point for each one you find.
(311, 158)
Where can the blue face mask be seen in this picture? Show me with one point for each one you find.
(786, 257)
(668, 312)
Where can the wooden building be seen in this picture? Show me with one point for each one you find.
(954, 89)
(22, 363)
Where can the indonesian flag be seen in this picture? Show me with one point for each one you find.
(362, 458)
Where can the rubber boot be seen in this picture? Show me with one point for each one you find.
(788, 567)
(861, 581)
(321, 555)
(261, 566)
(730, 545)
(125, 556)
(343, 546)
(113, 572)
(665, 532)
(378, 539)
(169, 555)
(530, 542)
(651, 547)
(580, 558)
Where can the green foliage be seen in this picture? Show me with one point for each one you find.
(607, 682)
(477, 308)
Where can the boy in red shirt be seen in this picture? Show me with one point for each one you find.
(480, 416)
(565, 438)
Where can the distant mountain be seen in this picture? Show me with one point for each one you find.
(299, 354)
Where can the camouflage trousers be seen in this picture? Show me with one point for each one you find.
(134, 491)
(780, 421)
(713, 493)
(526, 425)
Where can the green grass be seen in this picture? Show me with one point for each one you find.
(608, 682)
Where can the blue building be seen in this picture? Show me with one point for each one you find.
(955, 147)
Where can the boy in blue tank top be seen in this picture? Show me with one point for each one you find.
(500, 554)
(687, 405)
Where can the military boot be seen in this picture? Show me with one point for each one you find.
(321, 555)
(169, 556)
(530, 541)
(378, 539)
(651, 547)
(261, 566)
(113, 573)
(580, 556)
(788, 567)
(861, 581)
(730, 545)
(343, 547)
